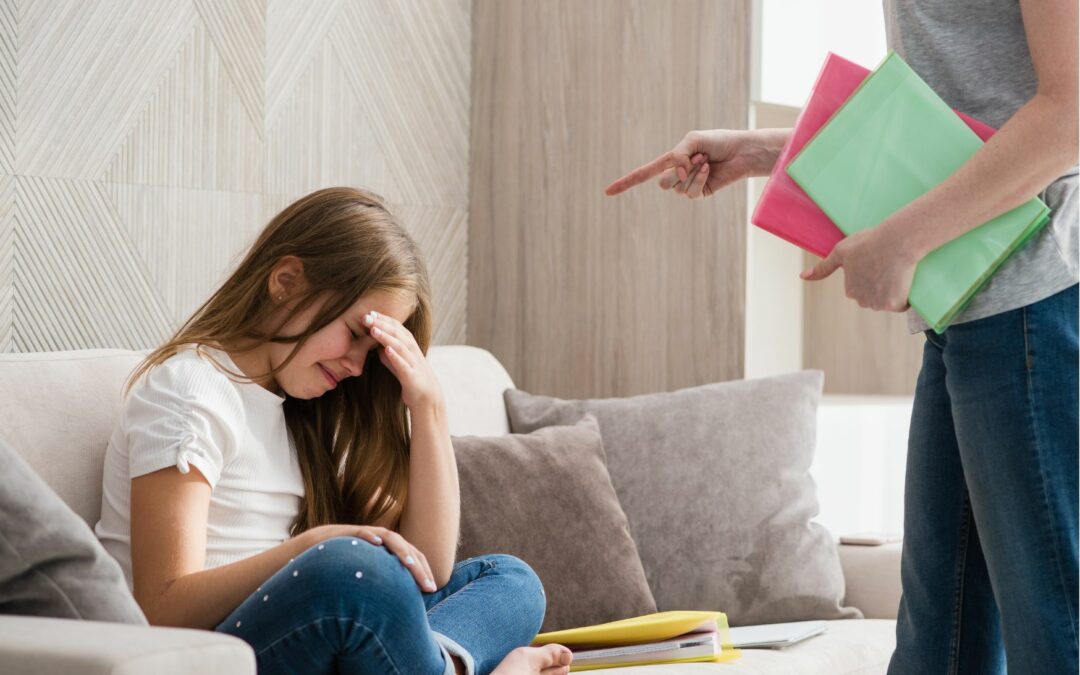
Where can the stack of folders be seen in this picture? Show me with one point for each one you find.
(783, 208)
(865, 156)
(665, 637)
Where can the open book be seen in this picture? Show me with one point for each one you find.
(665, 637)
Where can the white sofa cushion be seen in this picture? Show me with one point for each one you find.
(473, 382)
(39, 646)
(57, 410)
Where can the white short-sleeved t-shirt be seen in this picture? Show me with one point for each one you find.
(188, 413)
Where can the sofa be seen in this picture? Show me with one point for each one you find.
(57, 410)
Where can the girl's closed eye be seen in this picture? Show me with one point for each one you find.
(364, 334)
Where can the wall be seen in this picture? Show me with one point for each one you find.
(144, 144)
(774, 291)
(795, 35)
(576, 293)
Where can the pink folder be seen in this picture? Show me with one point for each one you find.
(784, 209)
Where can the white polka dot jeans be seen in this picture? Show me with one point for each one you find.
(348, 606)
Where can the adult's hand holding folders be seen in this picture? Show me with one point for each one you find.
(705, 161)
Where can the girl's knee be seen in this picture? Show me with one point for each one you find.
(523, 584)
(348, 566)
(512, 565)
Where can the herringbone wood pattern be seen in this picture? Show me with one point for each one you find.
(144, 144)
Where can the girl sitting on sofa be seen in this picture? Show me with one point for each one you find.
(282, 468)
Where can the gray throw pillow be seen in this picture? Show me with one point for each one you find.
(546, 498)
(715, 483)
(51, 564)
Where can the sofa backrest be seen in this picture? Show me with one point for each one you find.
(58, 409)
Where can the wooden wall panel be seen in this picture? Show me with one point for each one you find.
(576, 293)
(861, 351)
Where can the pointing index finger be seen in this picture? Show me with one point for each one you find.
(647, 171)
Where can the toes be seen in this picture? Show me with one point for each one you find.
(546, 660)
(552, 656)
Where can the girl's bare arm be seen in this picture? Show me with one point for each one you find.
(431, 515)
(168, 552)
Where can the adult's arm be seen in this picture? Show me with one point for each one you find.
(1032, 149)
(169, 512)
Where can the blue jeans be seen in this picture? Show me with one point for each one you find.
(348, 606)
(989, 565)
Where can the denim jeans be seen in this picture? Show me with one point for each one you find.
(348, 606)
(989, 564)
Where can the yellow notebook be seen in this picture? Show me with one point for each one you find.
(665, 637)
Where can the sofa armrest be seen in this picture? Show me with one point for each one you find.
(59, 646)
(872, 575)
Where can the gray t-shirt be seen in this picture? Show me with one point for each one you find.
(974, 54)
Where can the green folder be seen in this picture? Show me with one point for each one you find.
(893, 140)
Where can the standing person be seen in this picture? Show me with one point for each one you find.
(282, 468)
(989, 566)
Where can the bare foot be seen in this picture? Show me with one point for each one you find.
(546, 660)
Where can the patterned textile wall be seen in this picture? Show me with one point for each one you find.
(143, 145)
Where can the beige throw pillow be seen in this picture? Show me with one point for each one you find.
(546, 498)
(715, 483)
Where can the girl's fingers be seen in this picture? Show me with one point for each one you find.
(385, 360)
(395, 361)
(408, 556)
(397, 366)
(421, 569)
(429, 581)
(394, 329)
(369, 534)
(370, 537)
(388, 341)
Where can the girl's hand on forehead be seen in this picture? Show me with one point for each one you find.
(399, 352)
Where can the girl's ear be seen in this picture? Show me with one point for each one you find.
(286, 278)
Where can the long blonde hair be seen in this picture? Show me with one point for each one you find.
(353, 441)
